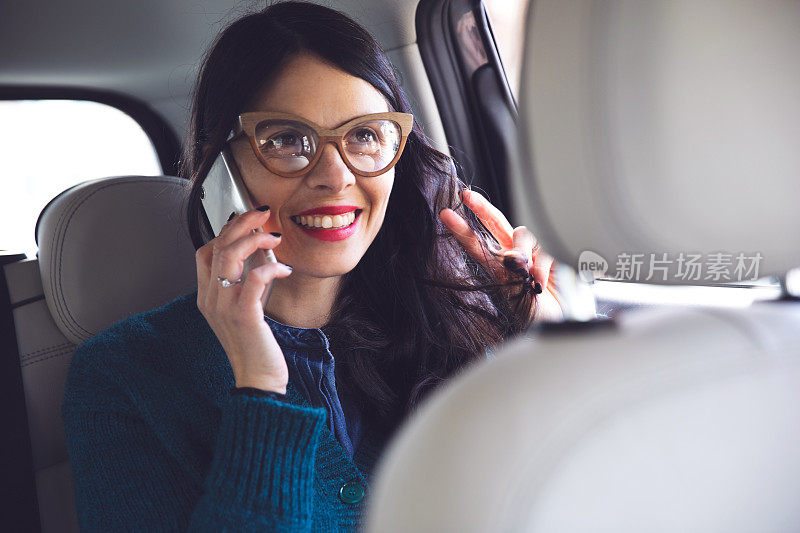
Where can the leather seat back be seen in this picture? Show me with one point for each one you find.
(108, 248)
(670, 419)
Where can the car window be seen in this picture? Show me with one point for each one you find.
(48, 146)
(507, 18)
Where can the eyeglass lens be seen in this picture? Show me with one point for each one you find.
(289, 146)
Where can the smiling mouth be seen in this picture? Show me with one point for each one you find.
(329, 222)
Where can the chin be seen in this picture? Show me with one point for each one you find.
(330, 271)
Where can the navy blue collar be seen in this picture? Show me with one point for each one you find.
(291, 336)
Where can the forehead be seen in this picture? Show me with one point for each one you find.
(319, 92)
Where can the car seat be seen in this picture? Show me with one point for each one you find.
(108, 248)
(647, 128)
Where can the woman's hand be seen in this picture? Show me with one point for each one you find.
(236, 313)
(516, 244)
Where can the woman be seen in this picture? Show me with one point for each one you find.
(217, 412)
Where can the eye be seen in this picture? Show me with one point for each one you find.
(286, 144)
(363, 141)
(365, 135)
(283, 141)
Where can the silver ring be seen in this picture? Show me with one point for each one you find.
(225, 283)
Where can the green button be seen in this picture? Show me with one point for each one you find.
(351, 492)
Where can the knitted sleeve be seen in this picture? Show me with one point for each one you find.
(261, 474)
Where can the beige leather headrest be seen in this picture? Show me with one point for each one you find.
(112, 247)
(662, 127)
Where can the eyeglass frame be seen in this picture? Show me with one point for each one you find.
(247, 123)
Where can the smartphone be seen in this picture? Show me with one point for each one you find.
(224, 192)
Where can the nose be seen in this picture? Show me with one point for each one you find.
(330, 171)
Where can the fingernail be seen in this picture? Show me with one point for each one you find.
(287, 266)
(263, 208)
(232, 215)
(537, 288)
(274, 233)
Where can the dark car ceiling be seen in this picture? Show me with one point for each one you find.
(149, 49)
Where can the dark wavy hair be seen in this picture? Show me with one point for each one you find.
(416, 308)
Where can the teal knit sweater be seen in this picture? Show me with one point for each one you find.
(157, 442)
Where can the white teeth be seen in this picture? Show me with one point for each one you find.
(327, 221)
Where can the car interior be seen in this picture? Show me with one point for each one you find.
(664, 128)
